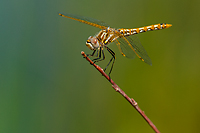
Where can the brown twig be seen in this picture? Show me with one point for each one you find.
(116, 87)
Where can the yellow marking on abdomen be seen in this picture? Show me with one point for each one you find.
(137, 30)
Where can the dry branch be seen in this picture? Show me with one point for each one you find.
(117, 89)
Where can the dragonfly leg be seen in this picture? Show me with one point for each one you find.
(112, 59)
(92, 53)
(99, 54)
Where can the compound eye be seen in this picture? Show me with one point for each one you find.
(95, 42)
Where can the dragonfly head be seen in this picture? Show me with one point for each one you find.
(92, 43)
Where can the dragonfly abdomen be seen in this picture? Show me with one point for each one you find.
(127, 32)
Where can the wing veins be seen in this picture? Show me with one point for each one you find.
(134, 45)
(86, 20)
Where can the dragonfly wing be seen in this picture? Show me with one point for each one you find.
(132, 45)
(86, 20)
(125, 49)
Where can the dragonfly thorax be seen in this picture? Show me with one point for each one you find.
(92, 43)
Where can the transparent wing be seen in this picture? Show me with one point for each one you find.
(131, 46)
(125, 49)
(86, 20)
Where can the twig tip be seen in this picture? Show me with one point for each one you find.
(82, 52)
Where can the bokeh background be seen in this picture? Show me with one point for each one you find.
(46, 85)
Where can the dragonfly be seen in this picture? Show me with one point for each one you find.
(126, 40)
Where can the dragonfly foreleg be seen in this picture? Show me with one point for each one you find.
(92, 53)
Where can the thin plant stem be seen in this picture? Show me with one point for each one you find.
(117, 89)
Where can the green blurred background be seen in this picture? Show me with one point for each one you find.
(47, 87)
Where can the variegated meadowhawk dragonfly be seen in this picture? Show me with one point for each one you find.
(126, 40)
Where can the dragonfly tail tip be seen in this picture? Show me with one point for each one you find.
(168, 25)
